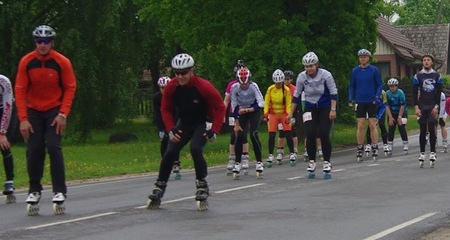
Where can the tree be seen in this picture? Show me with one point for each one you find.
(416, 12)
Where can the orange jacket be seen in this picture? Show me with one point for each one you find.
(44, 82)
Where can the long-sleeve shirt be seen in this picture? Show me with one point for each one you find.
(246, 98)
(44, 82)
(365, 84)
(6, 99)
(277, 100)
(196, 102)
(319, 90)
(429, 83)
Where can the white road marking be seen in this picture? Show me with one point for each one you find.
(218, 192)
(400, 226)
(373, 165)
(240, 188)
(339, 170)
(294, 178)
(70, 221)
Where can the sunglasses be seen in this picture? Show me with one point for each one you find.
(183, 72)
(43, 40)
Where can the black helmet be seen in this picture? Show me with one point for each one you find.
(288, 74)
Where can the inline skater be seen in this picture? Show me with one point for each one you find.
(397, 113)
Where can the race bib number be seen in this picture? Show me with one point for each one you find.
(307, 116)
(404, 120)
(231, 121)
(208, 126)
(280, 126)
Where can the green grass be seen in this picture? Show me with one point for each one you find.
(97, 158)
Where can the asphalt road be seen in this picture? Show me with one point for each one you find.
(389, 199)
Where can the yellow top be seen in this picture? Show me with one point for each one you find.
(274, 102)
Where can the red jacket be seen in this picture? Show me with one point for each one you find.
(44, 82)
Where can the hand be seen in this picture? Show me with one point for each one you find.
(266, 118)
(418, 112)
(4, 143)
(210, 135)
(60, 123)
(434, 112)
(391, 122)
(399, 121)
(292, 122)
(26, 129)
(332, 115)
(350, 104)
(243, 111)
(175, 135)
(161, 135)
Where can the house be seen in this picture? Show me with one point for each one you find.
(395, 54)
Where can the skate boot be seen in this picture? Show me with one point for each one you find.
(33, 203)
(293, 159)
(311, 169)
(259, 169)
(367, 149)
(444, 146)
(280, 152)
(320, 153)
(327, 170)
(236, 170)
(374, 152)
(387, 153)
(176, 171)
(245, 160)
(154, 199)
(58, 203)
(230, 165)
(9, 192)
(201, 196)
(432, 159)
(270, 161)
(305, 156)
(405, 147)
(359, 153)
(421, 159)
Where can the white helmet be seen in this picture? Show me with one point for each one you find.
(392, 81)
(364, 52)
(44, 31)
(278, 76)
(163, 81)
(182, 61)
(244, 76)
(310, 59)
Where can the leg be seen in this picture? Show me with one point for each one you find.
(35, 152)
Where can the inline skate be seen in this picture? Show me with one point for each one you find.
(432, 159)
(270, 161)
(359, 153)
(421, 159)
(201, 195)
(245, 163)
(230, 165)
(8, 191)
(367, 149)
(154, 199)
(33, 203)
(236, 170)
(374, 152)
(176, 171)
(280, 153)
(327, 170)
(293, 159)
(387, 150)
(305, 156)
(311, 169)
(58, 203)
(405, 147)
(259, 169)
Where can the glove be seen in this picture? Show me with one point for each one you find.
(210, 135)
(173, 132)
(292, 121)
(161, 134)
(266, 118)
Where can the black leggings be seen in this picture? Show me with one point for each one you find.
(384, 133)
(8, 164)
(319, 126)
(287, 135)
(401, 129)
(194, 134)
(427, 120)
(45, 138)
(249, 122)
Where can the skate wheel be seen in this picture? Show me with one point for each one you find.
(245, 172)
(420, 164)
(359, 160)
(431, 164)
(311, 175)
(269, 165)
(326, 175)
(177, 176)
(279, 162)
(202, 205)
(229, 173)
(58, 208)
(236, 176)
(374, 159)
(405, 152)
(386, 154)
(11, 198)
(32, 209)
(153, 204)
(292, 163)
